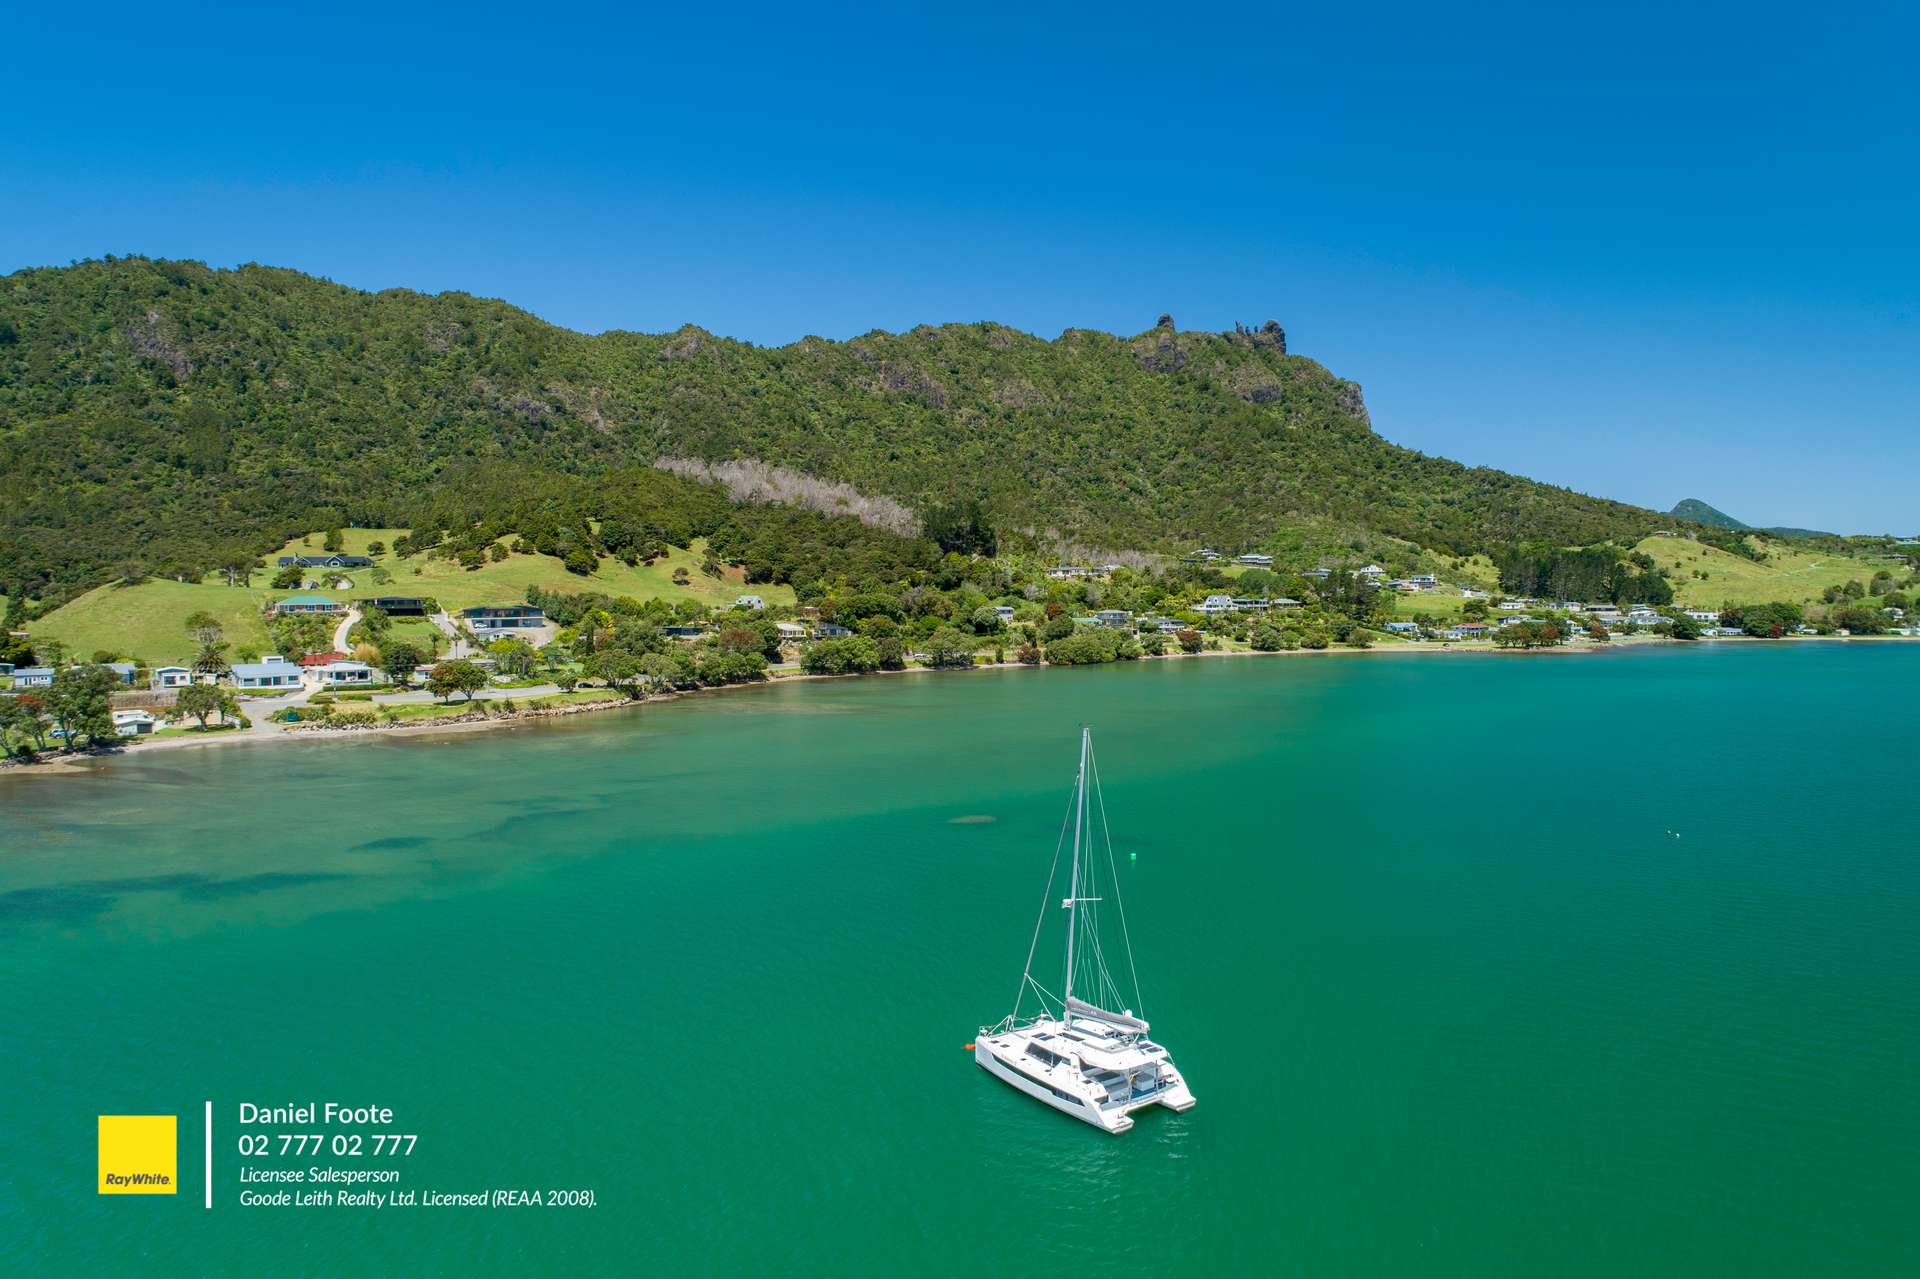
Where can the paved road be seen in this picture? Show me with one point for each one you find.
(340, 631)
(415, 696)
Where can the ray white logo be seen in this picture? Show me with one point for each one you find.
(137, 1154)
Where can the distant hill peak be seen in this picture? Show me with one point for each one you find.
(1699, 512)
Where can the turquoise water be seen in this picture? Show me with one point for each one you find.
(1452, 998)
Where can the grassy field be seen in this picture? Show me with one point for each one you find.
(507, 581)
(147, 621)
(1707, 577)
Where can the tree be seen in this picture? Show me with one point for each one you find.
(204, 700)
(457, 676)
(1266, 638)
(580, 559)
(289, 577)
(23, 714)
(948, 647)
(851, 655)
(376, 549)
(1190, 640)
(399, 658)
(985, 620)
(334, 541)
(81, 703)
(615, 668)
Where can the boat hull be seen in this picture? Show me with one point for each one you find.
(1080, 1108)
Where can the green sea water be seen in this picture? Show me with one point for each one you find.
(1564, 965)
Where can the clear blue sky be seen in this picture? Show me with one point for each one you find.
(1646, 251)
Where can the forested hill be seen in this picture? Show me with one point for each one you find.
(166, 413)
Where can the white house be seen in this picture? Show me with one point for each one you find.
(1259, 561)
(345, 672)
(1215, 604)
(1003, 611)
(172, 677)
(1425, 581)
(749, 601)
(1061, 572)
(1372, 572)
(790, 630)
(1705, 615)
(33, 677)
(134, 723)
(1512, 606)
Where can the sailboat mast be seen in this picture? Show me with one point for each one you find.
(1073, 884)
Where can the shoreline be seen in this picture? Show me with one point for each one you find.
(66, 764)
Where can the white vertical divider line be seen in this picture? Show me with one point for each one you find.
(209, 1178)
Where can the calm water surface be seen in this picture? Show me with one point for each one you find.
(1453, 999)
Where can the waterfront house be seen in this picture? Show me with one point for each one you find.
(482, 618)
(1403, 628)
(171, 677)
(396, 605)
(134, 723)
(791, 630)
(831, 630)
(1251, 603)
(1467, 631)
(273, 672)
(1705, 616)
(1168, 625)
(1283, 603)
(1258, 561)
(313, 661)
(33, 677)
(317, 604)
(1214, 605)
(1114, 618)
(749, 601)
(336, 674)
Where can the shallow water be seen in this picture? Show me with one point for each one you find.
(1570, 965)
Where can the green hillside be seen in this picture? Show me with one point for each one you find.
(164, 417)
(147, 620)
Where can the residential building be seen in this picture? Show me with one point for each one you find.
(1467, 630)
(1251, 603)
(396, 605)
(1318, 574)
(1284, 603)
(749, 601)
(1003, 611)
(309, 604)
(123, 671)
(683, 632)
(1568, 606)
(337, 673)
(831, 630)
(482, 618)
(134, 723)
(1259, 561)
(791, 630)
(1372, 572)
(1114, 618)
(33, 677)
(171, 677)
(272, 672)
(1513, 606)
(324, 561)
(1215, 604)
(1403, 628)
(313, 661)
(1425, 581)
(1705, 616)
(1061, 572)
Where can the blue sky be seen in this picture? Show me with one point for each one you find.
(1650, 252)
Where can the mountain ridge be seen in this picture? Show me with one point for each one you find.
(170, 412)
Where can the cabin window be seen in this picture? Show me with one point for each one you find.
(1042, 1054)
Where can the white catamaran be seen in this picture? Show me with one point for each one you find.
(1092, 1063)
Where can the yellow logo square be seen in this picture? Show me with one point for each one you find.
(137, 1154)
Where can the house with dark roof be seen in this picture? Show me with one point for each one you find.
(324, 561)
(502, 617)
(396, 605)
